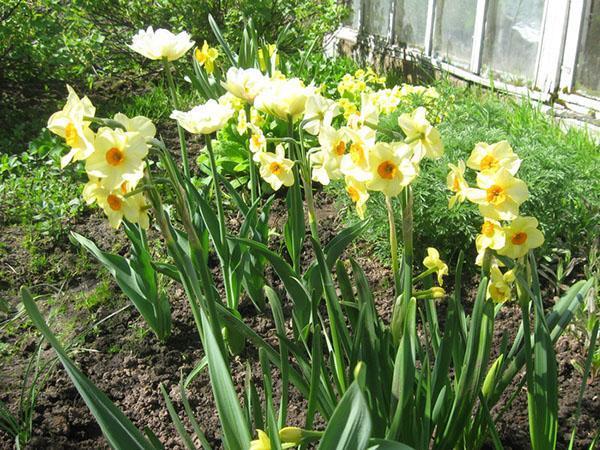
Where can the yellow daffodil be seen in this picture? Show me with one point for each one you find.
(291, 435)
(425, 139)
(262, 443)
(355, 163)
(204, 119)
(432, 261)
(368, 114)
(207, 56)
(161, 44)
(456, 183)
(391, 168)
(357, 191)
(275, 168)
(499, 194)
(492, 157)
(284, 98)
(492, 235)
(258, 142)
(522, 235)
(500, 285)
(387, 100)
(138, 124)
(115, 205)
(326, 161)
(70, 123)
(118, 157)
(245, 83)
(348, 107)
(273, 57)
(319, 111)
(242, 123)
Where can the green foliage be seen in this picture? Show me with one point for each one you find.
(33, 190)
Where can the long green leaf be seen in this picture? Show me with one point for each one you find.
(116, 427)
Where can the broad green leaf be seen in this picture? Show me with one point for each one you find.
(350, 426)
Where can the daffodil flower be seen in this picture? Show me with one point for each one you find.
(231, 101)
(456, 183)
(492, 157)
(319, 112)
(245, 83)
(161, 44)
(492, 235)
(207, 56)
(204, 119)
(262, 443)
(116, 205)
(368, 114)
(433, 262)
(138, 124)
(500, 285)
(522, 235)
(355, 163)
(258, 142)
(326, 160)
(118, 157)
(424, 138)
(71, 124)
(391, 168)
(359, 195)
(275, 168)
(499, 195)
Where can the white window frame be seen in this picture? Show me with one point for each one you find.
(556, 59)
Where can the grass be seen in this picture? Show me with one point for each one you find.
(559, 167)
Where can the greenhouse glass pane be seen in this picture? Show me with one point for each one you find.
(353, 18)
(453, 32)
(409, 22)
(377, 16)
(512, 37)
(587, 74)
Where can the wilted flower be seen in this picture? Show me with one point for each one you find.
(161, 44)
(499, 287)
(426, 141)
(204, 119)
(492, 157)
(275, 168)
(357, 191)
(499, 194)
(245, 83)
(456, 183)
(284, 98)
(206, 57)
(118, 157)
(70, 123)
(521, 235)
(391, 169)
(433, 261)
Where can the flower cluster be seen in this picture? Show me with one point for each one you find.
(114, 157)
(499, 194)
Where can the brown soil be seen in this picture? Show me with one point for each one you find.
(131, 375)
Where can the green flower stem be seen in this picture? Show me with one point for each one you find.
(175, 102)
(254, 186)
(424, 274)
(227, 279)
(393, 245)
(307, 182)
(407, 237)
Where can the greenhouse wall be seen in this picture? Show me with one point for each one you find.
(546, 49)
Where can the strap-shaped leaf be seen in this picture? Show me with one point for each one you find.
(350, 426)
(116, 427)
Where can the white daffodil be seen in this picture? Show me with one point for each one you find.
(118, 157)
(204, 119)
(245, 83)
(161, 44)
(284, 99)
(319, 112)
(425, 139)
(275, 168)
(327, 159)
(390, 167)
(71, 124)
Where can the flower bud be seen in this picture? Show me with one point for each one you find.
(291, 435)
